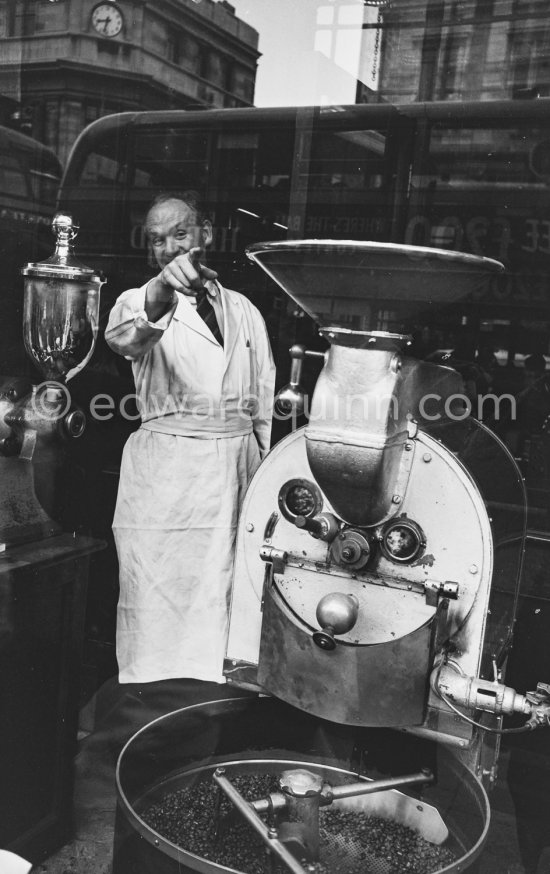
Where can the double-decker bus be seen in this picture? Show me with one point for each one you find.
(471, 177)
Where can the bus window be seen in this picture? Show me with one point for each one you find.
(100, 170)
(44, 186)
(478, 193)
(348, 159)
(12, 177)
(171, 160)
(102, 164)
(238, 158)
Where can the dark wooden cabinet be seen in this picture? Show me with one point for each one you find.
(42, 608)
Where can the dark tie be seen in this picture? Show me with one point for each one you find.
(207, 314)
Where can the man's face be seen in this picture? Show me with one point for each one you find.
(173, 230)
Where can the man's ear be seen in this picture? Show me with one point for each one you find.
(206, 233)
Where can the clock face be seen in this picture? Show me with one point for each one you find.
(107, 19)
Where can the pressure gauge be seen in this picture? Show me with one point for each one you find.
(402, 540)
(299, 497)
(107, 19)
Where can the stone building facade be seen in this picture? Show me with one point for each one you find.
(64, 63)
(468, 50)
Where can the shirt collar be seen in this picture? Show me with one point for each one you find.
(212, 289)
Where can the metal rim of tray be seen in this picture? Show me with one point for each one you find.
(376, 248)
(163, 845)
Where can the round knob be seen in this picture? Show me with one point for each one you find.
(291, 399)
(75, 423)
(339, 611)
(336, 614)
(300, 783)
(325, 639)
(64, 226)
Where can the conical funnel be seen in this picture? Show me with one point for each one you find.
(366, 393)
(343, 283)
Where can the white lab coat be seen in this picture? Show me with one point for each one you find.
(206, 422)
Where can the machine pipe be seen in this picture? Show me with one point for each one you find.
(277, 801)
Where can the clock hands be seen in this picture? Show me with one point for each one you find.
(104, 21)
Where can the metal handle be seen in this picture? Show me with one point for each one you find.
(268, 836)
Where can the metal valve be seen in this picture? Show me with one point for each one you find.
(324, 526)
(539, 701)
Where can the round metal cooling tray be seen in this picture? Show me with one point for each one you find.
(172, 818)
(344, 283)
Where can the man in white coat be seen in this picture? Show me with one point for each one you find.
(205, 399)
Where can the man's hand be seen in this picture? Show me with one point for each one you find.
(186, 274)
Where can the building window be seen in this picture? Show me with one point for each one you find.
(217, 73)
(190, 54)
(91, 112)
(156, 36)
(204, 62)
(243, 84)
(4, 20)
(50, 17)
(173, 52)
(24, 18)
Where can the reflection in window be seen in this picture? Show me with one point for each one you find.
(100, 170)
(238, 159)
(501, 157)
(169, 159)
(44, 187)
(352, 160)
(12, 177)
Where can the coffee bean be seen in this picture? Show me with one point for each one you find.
(198, 821)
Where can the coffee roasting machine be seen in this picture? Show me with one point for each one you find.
(378, 560)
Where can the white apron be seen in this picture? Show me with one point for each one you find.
(176, 559)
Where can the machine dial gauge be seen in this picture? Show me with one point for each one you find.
(402, 540)
(107, 19)
(299, 497)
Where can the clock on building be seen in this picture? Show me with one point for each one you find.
(107, 19)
